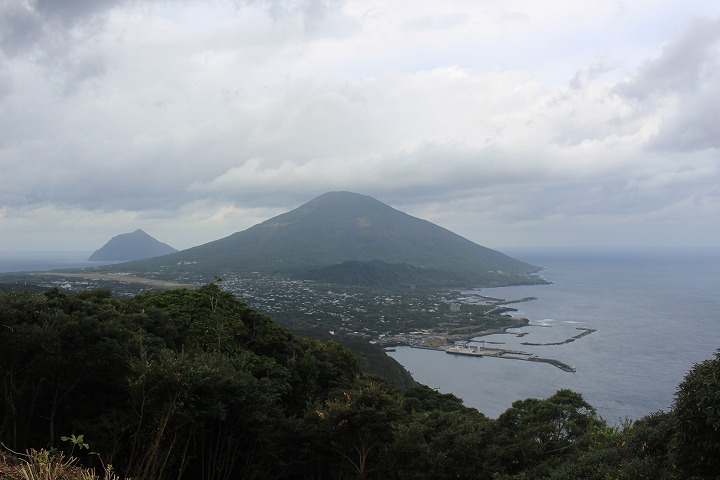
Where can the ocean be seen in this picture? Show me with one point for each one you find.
(656, 314)
(11, 261)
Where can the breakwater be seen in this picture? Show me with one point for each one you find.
(475, 351)
(462, 347)
(510, 355)
(555, 363)
(585, 331)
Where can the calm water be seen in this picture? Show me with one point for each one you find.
(656, 314)
(34, 261)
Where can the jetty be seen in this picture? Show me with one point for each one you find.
(555, 363)
(474, 351)
(585, 331)
(465, 349)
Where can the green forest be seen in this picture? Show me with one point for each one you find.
(194, 384)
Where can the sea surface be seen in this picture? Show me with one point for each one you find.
(13, 261)
(656, 314)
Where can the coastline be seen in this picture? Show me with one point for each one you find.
(639, 302)
(458, 345)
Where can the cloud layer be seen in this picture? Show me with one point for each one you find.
(512, 123)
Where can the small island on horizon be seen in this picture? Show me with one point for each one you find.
(131, 246)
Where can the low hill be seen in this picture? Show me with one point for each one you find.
(131, 246)
(340, 227)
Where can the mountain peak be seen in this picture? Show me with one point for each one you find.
(131, 246)
(339, 227)
(334, 207)
(344, 196)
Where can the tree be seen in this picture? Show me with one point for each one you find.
(441, 445)
(534, 435)
(58, 353)
(697, 413)
(175, 384)
(353, 429)
(634, 450)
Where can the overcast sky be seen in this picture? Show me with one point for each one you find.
(514, 123)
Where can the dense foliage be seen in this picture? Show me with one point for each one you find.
(194, 384)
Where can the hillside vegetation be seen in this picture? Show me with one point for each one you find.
(193, 384)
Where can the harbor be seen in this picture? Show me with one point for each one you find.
(453, 345)
(475, 351)
(584, 331)
(456, 337)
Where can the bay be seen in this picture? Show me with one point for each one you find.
(656, 314)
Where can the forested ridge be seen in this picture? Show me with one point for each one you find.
(194, 384)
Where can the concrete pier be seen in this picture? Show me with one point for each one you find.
(507, 354)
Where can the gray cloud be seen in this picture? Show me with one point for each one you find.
(68, 12)
(312, 10)
(20, 27)
(591, 72)
(694, 126)
(441, 22)
(220, 114)
(685, 76)
(25, 25)
(79, 72)
(685, 64)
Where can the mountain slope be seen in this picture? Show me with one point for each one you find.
(375, 273)
(338, 227)
(131, 246)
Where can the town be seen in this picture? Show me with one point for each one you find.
(389, 317)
